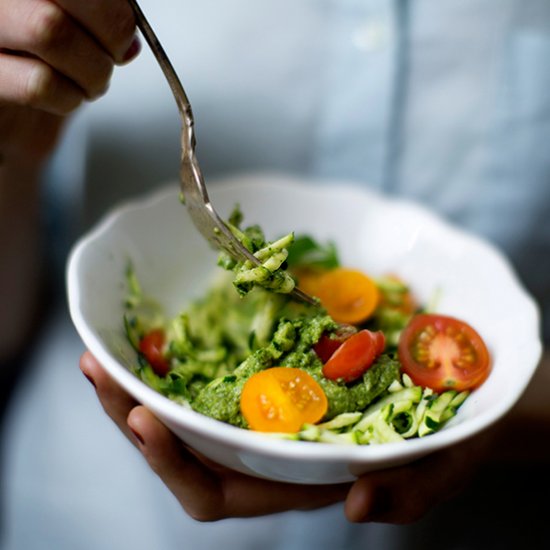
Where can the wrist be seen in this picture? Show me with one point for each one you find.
(19, 184)
(20, 242)
(27, 139)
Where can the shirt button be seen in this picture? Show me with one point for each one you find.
(371, 36)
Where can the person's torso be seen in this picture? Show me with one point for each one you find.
(442, 102)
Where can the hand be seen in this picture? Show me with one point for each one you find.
(54, 56)
(208, 491)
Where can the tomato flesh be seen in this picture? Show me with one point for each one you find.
(328, 344)
(355, 356)
(379, 341)
(151, 346)
(282, 399)
(442, 353)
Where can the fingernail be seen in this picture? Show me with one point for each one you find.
(133, 50)
(138, 436)
(90, 379)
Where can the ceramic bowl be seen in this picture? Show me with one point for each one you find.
(472, 280)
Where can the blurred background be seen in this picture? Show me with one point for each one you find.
(446, 103)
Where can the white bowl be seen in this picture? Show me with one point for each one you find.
(379, 235)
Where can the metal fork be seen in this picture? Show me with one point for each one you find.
(198, 204)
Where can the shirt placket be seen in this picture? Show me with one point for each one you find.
(354, 131)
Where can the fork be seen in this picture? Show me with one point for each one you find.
(197, 201)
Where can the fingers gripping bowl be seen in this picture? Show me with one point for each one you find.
(373, 233)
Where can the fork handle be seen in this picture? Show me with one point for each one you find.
(180, 96)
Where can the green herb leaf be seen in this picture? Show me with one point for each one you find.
(306, 251)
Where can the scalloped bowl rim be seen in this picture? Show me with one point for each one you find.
(256, 442)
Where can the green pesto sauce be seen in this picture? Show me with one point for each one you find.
(222, 339)
(270, 273)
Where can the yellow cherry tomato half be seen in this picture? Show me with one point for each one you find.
(282, 399)
(308, 280)
(348, 295)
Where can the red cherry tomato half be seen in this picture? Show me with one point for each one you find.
(354, 356)
(443, 353)
(379, 341)
(329, 343)
(152, 345)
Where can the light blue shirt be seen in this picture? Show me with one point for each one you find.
(446, 103)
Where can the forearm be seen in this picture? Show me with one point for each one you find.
(27, 139)
(20, 246)
(42, 80)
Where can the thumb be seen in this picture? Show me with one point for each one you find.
(194, 485)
